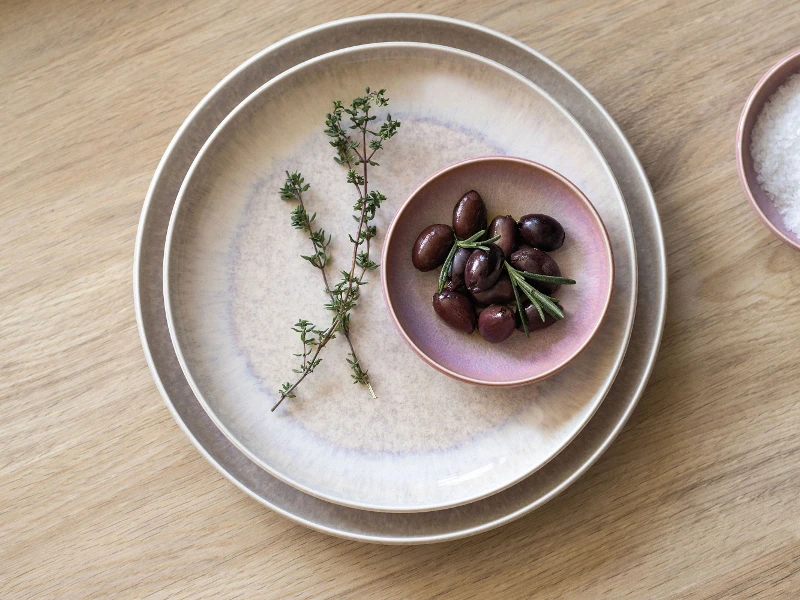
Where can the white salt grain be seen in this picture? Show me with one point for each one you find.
(775, 149)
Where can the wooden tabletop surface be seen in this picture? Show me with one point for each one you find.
(103, 496)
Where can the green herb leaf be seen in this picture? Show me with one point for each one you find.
(547, 278)
(446, 268)
(355, 144)
(520, 309)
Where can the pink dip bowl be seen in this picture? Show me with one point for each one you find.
(759, 200)
(516, 187)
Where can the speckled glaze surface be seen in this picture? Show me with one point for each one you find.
(758, 198)
(333, 519)
(233, 290)
(517, 187)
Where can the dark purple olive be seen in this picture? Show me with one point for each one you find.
(456, 310)
(534, 319)
(500, 293)
(483, 269)
(432, 246)
(542, 232)
(469, 215)
(506, 228)
(534, 260)
(496, 323)
(457, 267)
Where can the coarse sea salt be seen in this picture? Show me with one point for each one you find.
(775, 149)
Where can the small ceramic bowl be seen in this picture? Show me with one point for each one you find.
(508, 186)
(759, 200)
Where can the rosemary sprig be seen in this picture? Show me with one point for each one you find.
(519, 284)
(344, 296)
(542, 302)
(470, 242)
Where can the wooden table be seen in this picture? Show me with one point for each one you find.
(102, 495)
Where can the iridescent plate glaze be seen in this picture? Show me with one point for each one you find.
(235, 284)
(399, 528)
(508, 186)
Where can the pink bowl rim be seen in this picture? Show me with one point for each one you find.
(609, 255)
(740, 150)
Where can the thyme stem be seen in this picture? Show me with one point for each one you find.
(321, 264)
(345, 294)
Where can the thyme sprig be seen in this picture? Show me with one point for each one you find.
(293, 189)
(356, 144)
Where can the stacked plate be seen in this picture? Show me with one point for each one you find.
(432, 459)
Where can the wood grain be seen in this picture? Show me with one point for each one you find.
(102, 496)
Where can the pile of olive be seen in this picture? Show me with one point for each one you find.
(478, 291)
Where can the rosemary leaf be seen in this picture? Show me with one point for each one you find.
(548, 278)
(446, 268)
(520, 310)
(549, 304)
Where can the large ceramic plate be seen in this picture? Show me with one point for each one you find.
(235, 284)
(412, 528)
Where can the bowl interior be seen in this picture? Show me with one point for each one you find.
(515, 187)
(758, 98)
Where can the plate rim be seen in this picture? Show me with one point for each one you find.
(168, 290)
(649, 207)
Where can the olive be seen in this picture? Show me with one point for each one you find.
(457, 267)
(499, 293)
(534, 260)
(469, 215)
(496, 323)
(483, 268)
(542, 231)
(506, 228)
(534, 320)
(456, 310)
(432, 247)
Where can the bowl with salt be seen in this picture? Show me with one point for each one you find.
(768, 149)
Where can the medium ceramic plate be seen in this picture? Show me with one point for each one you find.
(333, 519)
(234, 285)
